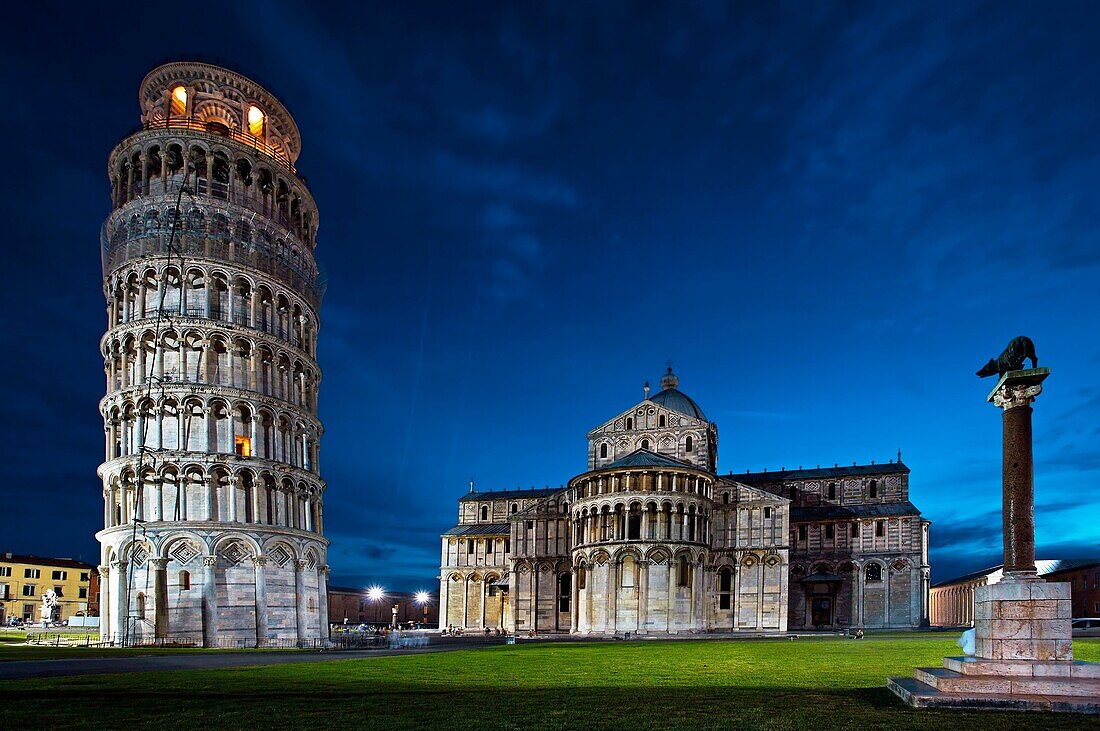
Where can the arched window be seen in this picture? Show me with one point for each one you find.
(725, 584)
(874, 572)
(565, 590)
(689, 444)
(179, 101)
(582, 578)
(514, 508)
(603, 451)
(661, 420)
(185, 581)
(141, 605)
(484, 512)
(626, 573)
(683, 574)
(256, 120)
(725, 498)
(645, 444)
(630, 423)
(832, 491)
(872, 489)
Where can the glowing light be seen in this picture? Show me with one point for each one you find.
(422, 597)
(255, 120)
(376, 593)
(244, 446)
(179, 100)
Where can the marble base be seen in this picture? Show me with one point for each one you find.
(1023, 658)
(1023, 618)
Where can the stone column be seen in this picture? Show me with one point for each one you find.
(209, 602)
(322, 601)
(119, 610)
(1018, 510)
(300, 600)
(105, 597)
(1022, 617)
(258, 564)
(160, 597)
(643, 594)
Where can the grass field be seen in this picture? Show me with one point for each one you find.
(806, 684)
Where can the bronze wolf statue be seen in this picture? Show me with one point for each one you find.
(1012, 359)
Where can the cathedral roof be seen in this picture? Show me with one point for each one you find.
(509, 494)
(480, 529)
(672, 398)
(819, 472)
(646, 458)
(829, 511)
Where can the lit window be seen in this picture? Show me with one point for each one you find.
(256, 120)
(179, 100)
(243, 446)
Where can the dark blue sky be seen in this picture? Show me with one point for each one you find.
(827, 217)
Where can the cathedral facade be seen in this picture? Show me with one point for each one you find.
(652, 540)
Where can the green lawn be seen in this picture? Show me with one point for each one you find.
(804, 684)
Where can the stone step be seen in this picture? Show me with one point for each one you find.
(950, 681)
(921, 695)
(1024, 668)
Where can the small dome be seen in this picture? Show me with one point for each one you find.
(674, 399)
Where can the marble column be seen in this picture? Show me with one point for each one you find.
(258, 564)
(119, 610)
(209, 602)
(301, 616)
(643, 594)
(160, 597)
(322, 601)
(105, 596)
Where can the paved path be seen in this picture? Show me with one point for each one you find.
(22, 669)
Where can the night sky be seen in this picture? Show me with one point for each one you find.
(827, 218)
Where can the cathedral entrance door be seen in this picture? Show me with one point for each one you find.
(821, 611)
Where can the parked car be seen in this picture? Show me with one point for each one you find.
(1086, 627)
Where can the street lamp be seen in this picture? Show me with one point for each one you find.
(423, 598)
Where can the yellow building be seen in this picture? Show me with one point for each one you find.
(24, 579)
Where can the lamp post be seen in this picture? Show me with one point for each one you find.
(423, 599)
(376, 594)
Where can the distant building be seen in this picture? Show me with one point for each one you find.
(24, 579)
(1084, 584)
(952, 601)
(652, 540)
(354, 606)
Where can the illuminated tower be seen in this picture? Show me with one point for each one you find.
(211, 484)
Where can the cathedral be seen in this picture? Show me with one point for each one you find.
(651, 540)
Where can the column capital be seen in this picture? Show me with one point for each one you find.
(1018, 388)
(160, 564)
(300, 565)
(260, 560)
(119, 566)
(209, 560)
(104, 570)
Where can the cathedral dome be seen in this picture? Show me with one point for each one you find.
(672, 398)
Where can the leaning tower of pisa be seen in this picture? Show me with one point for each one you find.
(213, 521)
